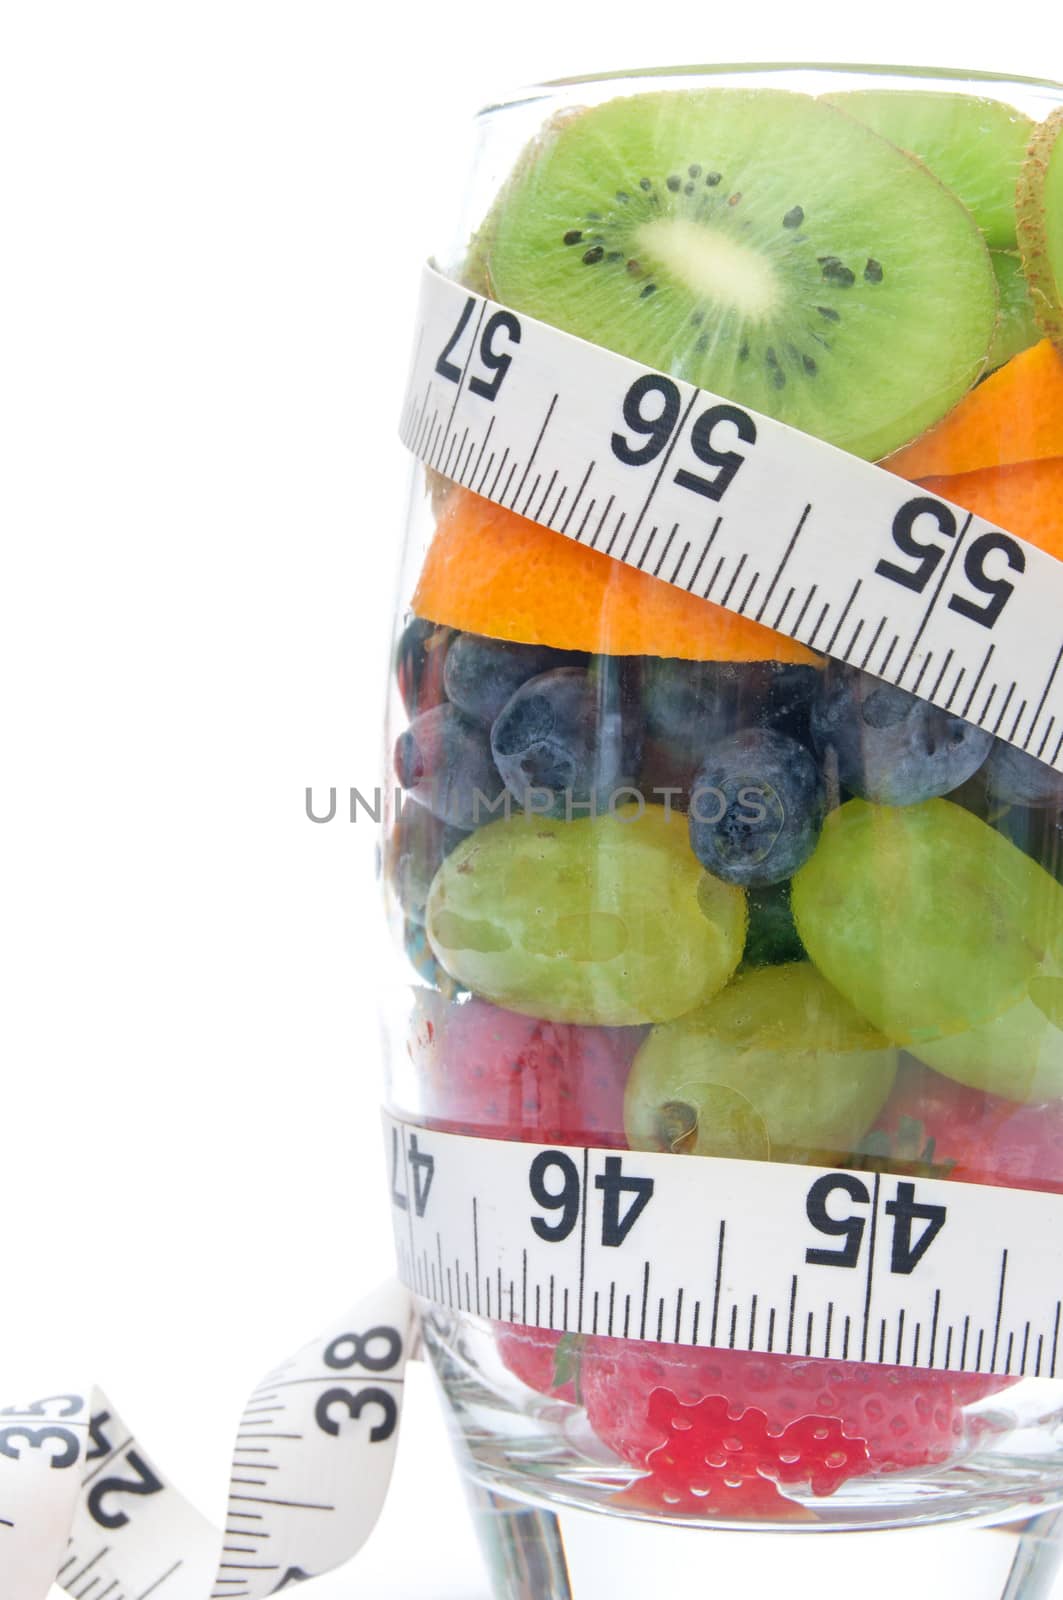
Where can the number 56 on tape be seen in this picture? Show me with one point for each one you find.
(742, 510)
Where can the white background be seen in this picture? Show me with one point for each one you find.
(213, 214)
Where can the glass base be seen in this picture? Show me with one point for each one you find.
(537, 1554)
(528, 1447)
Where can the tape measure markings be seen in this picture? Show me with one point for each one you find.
(569, 427)
(82, 1504)
(745, 1254)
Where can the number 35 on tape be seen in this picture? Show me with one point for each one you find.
(82, 1504)
(742, 510)
(749, 1255)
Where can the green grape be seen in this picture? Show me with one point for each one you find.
(1018, 1055)
(778, 1065)
(930, 922)
(607, 919)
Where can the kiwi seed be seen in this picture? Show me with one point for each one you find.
(761, 244)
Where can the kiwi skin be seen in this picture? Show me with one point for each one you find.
(1043, 273)
(476, 268)
(1017, 327)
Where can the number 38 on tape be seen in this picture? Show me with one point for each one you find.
(82, 1505)
(742, 510)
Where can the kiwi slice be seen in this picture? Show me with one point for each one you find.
(760, 243)
(975, 146)
(1040, 208)
(1016, 324)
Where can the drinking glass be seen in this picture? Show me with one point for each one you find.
(847, 956)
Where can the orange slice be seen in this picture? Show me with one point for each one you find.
(492, 572)
(1025, 498)
(1015, 415)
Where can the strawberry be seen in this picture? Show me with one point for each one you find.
(943, 1128)
(722, 1465)
(716, 1430)
(492, 1072)
(501, 1075)
(544, 1360)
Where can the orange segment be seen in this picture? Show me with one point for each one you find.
(492, 572)
(1025, 499)
(1015, 415)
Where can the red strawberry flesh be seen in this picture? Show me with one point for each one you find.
(702, 1421)
(969, 1135)
(492, 1072)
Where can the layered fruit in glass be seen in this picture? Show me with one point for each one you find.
(668, 880)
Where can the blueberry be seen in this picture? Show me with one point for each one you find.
(691, 702)
(1020, 779)
(690, 705)
(444, 761)
(788, 694)
(482, 674)
(676, 694)
(565, 742)
(756, 808)
(710, 699)
(890, 747)
(416, 848)
(420, 656)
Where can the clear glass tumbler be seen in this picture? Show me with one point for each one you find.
(662, 878)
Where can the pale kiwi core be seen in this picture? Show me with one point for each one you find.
(711, 265)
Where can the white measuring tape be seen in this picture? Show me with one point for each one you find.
(82, 1505)
(814, 543)
(751, 1255)
(850, 560)
(742, 510)
(755, 1256)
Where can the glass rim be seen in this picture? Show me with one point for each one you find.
(550, 88)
